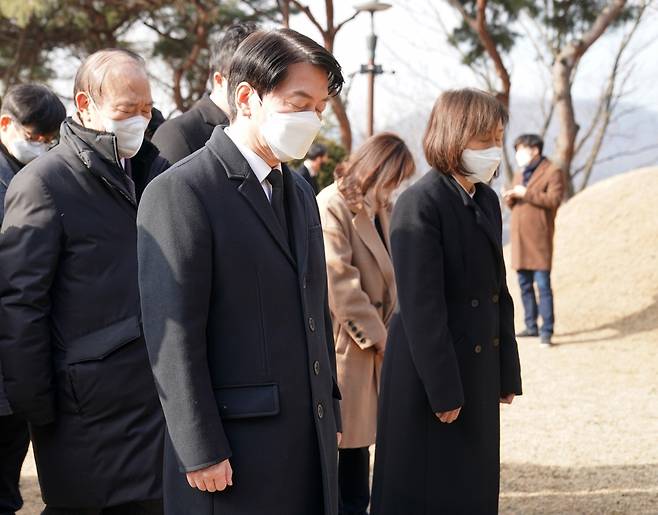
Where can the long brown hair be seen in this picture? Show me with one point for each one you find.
(457, 117)
(381, 163)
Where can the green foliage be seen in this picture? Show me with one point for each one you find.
(336, 153)
(32, 30)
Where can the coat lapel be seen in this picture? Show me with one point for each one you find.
(297, 217)
(370, 237)
(481, 219)
(539, 172)
(238, 171)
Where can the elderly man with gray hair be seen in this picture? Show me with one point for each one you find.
(74, 360)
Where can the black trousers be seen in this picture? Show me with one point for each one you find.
(131, 508)
(14, 441)
(354, 481)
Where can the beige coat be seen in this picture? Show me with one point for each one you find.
(532, 225)
(362, 297)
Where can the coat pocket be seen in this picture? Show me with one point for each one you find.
(248, 401)
(99, 344)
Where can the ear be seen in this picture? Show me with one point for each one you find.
(242, 94)
(81, 101)
(5, 120)
(218, 80)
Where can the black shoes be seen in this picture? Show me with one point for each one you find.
(527, 333)
(546, 340)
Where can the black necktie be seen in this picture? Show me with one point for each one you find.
(275, 178)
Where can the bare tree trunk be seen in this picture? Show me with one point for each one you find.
(328, 37)
(343, 123)
(566, 138)
(565, 64)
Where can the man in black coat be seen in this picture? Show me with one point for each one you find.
(29, 118)
(311, 166)
(71, 344)
(181, 136)
(234, 298)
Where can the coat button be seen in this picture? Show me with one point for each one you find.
(311, 324)
(316, 368)
(478, 349)
(496, 342)
(362, 340)
(495, 298)
(475, 303)
(359, 334)
(320, 410)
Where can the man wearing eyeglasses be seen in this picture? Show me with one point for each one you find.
(30, 117)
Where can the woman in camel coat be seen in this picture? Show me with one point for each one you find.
(355, 214)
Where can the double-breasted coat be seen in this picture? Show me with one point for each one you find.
(239, 335)
(71, 347)
(532, 224)
(451, 344)
(362, 299)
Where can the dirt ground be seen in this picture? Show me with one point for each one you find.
(583, 439)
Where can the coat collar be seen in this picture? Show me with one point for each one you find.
(98, 152)
(539, 172)
(238, 170)
(367, 232)
(481, 217)
(210, 112)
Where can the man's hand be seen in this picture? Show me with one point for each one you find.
(339, 438)
(519, 191)
(212, 479)
(507, 399)
(448, 417)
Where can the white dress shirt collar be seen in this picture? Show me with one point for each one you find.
(257, 164)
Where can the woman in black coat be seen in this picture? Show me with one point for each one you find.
(451, 354)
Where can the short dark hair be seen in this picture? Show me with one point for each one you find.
(264, 57)
(223, 48)
(34, 106)
(530, 140)
(316, 150)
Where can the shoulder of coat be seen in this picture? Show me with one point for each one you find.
(330, 199)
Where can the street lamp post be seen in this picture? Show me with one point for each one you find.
(371, 68)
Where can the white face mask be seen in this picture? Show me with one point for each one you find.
(129, 132)
(290, 135)
(482, 163)
(523, 157)
(25, 151)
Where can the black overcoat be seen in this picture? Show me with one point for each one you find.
(181, 136)
(451, 344)
(239, 336)
(71, 346)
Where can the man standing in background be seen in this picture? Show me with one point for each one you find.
(316, 157)
(181, 136)
(30, 117)
(534, 200)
